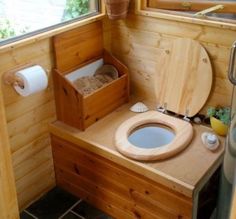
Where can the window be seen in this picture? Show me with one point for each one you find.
(205, 11)
(22, 18)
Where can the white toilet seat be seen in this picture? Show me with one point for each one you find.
(182, 129)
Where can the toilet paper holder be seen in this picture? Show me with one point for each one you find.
(10, 77)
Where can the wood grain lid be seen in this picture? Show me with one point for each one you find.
(184, 81)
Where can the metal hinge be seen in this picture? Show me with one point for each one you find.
(186, 118)
(162, 109)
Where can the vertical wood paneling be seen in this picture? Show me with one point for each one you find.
(106, 25)
(27, 123)
(8, 199)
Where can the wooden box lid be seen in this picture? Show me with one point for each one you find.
(77, 47)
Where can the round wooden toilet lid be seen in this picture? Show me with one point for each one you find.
(184, 81)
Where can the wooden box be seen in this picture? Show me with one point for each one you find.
(73, 50)
(114, 189)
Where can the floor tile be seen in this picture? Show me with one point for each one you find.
(70, 215)
(53, 204)
(104, 216)
(88, 211)
(24, 215)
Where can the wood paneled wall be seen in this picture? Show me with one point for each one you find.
(27, 124)
(139, 42)
(28, 118)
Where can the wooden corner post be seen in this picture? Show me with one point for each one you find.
(8, 198)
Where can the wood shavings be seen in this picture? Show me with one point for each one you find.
(88, 84)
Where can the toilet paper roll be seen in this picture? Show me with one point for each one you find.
(34, 78)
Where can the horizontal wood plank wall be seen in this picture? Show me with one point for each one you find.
(28, 118)
(115, 189)
(27, 123)
(139, 42)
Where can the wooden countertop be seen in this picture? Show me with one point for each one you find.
(185, 173)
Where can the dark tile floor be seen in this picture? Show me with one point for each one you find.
(59, 204)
